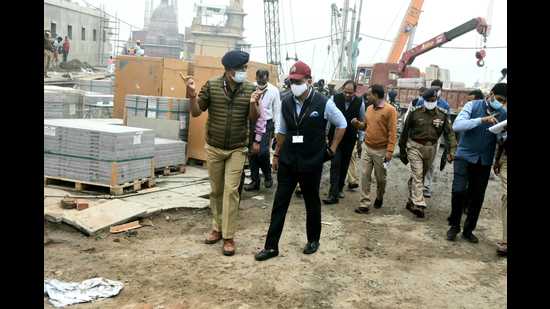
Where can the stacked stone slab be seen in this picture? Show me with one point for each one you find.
(97, 105)
(169, 152)
(160, 108)
(95, 152)
(62, 102)
(104, 86)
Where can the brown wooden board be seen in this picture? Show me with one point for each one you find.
(204, 68)
(172, 84)
(79, 185)
(136, 75)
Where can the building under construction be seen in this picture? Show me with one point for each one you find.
(88, 30)
(216, 30)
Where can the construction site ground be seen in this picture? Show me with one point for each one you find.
(386, 259)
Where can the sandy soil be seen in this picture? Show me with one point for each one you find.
(386, 259)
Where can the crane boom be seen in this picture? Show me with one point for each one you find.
(407, 25)
(478, 24)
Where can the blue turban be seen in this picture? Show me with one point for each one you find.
(235, 59)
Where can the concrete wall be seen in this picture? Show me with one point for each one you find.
(64, 13)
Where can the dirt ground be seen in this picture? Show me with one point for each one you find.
(386, 259)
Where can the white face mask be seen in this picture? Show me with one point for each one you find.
(430, 105)
(298, 90)
(240, 76)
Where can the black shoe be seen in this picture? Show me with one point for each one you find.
(420, 212)
(311, 247)
(268, 183)
(266, 254)
(352, 186)
(378, 203)
(452, 232)
(362, 210)
(253, 186)
(331, 200)
(470, 237)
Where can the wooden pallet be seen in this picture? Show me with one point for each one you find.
(170, 170)
(121, 189)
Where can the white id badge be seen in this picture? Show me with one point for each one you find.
(297, 139)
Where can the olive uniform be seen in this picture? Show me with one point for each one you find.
(417, 144)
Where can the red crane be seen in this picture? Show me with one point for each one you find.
(478, 24)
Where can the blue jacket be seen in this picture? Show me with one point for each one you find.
(477, 142)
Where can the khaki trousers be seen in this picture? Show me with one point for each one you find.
(420, 159)
(504, 199)
(352, 169)
(372, 159)
(224, 169)
(47, 59)
(429, 175)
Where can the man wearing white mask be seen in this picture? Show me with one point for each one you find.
(232, 103)
(423, 127)
(302, 150)
(437, 85)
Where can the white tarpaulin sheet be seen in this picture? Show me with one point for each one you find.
(67, 293)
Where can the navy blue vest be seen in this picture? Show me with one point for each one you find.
(352, 112)
(309, 155)
(479, 143)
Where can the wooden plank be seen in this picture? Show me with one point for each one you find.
(114, 190)
(136, 75)
(125, 227)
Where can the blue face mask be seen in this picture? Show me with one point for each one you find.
(495, 104)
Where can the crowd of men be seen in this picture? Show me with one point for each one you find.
(53, 47)
(313, 125)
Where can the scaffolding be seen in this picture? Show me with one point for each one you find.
(109, 32)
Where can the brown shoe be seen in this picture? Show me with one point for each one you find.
(213, 237)
(228, 247)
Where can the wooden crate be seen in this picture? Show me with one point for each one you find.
(80, 186)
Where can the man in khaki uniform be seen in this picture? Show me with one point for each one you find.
(380, 128)
(417, 145)
(232, 103)
(48, 52)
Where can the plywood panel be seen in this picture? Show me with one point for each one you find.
(204, 68)
(172, 84)
(136, 75)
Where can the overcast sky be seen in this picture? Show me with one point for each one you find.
(305, 19)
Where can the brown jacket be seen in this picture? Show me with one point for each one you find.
(381, 127)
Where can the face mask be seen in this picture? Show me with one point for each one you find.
(495, 104)
(298, 90)
(261, 86)
(240, 76)
(430, 105)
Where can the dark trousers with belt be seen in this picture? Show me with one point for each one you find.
(261, 160)
(287, 178)
(339, 166)
(469, 185)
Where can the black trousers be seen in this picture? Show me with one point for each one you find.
(339, 166)
(287, 178)
(469, 185)
(261, 160)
